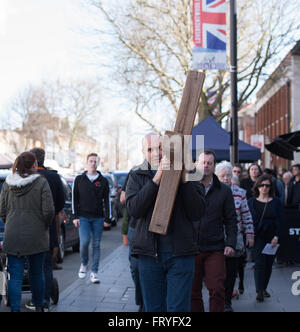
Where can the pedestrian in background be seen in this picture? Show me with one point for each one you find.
(254, 172)
(165, 262)
(267, 213)
(58, 196)
(214, 245)
(132, 260)
(238, 171)
(245, 228)
(278, 187)
(26, 207)
(91, 210)
(286, 178)
(293, 200)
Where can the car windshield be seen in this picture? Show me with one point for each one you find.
(120, 179)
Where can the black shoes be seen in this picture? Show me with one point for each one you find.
(260, 296)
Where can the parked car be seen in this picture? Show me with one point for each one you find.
(113, 198)
(119, 178)
(69, 236)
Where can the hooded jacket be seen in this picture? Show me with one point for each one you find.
(26, 205)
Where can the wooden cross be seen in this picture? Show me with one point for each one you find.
(170, 179)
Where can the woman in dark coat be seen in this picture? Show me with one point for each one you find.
(267, 214)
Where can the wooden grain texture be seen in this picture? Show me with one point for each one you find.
(171, 178)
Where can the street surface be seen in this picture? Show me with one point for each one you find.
(69, 274)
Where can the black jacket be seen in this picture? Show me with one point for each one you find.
(293, 199)
(56, 187)
(91, 199)
(220, 213)
(58, 196)
(141, 193)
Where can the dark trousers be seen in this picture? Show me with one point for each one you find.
(210, 265)
(48, 271)
(263, 265)
(232, 264)
(134, 268)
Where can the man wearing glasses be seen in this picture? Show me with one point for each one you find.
(165, 262)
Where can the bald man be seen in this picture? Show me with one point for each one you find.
(165, 262)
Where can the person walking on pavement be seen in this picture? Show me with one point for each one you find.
(245, 228)
(254, 171)
(267, 213)
(219, 215)
(132, 260)
(293, 199)
(165, 262)
(91, 210)
(26, 207)
(58, 196)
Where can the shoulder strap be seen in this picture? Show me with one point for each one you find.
(262, 216)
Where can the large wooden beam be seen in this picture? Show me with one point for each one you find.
(170, 178)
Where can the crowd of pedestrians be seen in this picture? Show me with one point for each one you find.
(230, 218)
(217, 223)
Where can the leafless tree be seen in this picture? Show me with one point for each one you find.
(56, 108)
(152, 44)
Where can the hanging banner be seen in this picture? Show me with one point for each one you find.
(209, 19)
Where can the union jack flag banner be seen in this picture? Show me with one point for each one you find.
(209, 18)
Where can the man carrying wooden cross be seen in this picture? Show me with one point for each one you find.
(165, 262)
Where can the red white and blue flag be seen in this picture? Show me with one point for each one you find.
(209, 18)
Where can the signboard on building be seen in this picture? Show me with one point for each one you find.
(258, 141)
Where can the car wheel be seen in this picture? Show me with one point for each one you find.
(61, 248)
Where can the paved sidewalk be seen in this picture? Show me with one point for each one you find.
(115, 293)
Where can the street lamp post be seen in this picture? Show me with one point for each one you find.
(234, 151)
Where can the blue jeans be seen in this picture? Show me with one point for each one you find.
(134, 268)
(166, 282)
(36, 276)
(87, 227)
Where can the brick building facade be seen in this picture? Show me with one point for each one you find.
(277, 108)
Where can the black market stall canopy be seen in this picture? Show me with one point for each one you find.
(284, 146)
(218, 139)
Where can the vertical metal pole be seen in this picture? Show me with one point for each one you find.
(234, 137)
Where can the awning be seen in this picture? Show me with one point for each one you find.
(285, 145)
(218, 139)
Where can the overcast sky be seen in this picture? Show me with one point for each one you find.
(40, 39)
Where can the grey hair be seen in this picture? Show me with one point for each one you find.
(222, 166)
